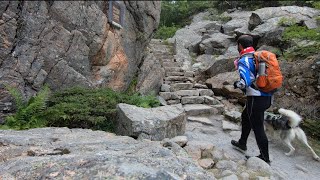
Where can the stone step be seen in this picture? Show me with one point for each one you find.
(162, 55)
(166, 61)
(202, 120)
(175, 82)
(169, 95)
(192, 100)
(205, 92)
(174, 69)
(200, 86)
(156, 41)
(165, 88)
(199, 109)
(173, 101)
(158, 44)
(189, 74)
(181, 86)
(170, 73)
(229, 126)
(187, 93)
(171, 64)
(178, 78)
(211, 100)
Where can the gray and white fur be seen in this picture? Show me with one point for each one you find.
(287, 124)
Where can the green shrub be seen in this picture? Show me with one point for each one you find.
(28, 114)
(132, 87)
(216, 16)
(301, 51)
(75, 107)
(90, 108)
(316, 5)
(301, 32)
(179, 12)
(165, 32)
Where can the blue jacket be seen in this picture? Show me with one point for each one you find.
(247, 71)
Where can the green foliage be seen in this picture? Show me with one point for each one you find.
(90, 108)
(285, 22)
(28, 114)
(301, 32)
(132, 86)
(302, 51)
(316, 4)
(216, 16)
(165, 32)
(178, 12)
(252, 5)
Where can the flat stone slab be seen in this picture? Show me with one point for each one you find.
(174, 69)
(226, 125)
(170, 73)
(234, 116)
(178, 78)
(188, 92)
(192, 100)
(181, 86)
(202, 120)
(199, 109)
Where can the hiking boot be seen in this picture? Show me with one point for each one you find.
(238, 146)
(260, 156)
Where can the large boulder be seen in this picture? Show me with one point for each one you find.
(67, 43)
(210, 66)
(151, 123)
(222, 84)
(264, 23)
(216, 44)
(239, 19)
(254, 21)
(62, 153)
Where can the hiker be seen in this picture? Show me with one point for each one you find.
(257, 101)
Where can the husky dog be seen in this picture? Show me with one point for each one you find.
(287, 123)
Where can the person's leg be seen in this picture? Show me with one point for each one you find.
(245, 124)
(260, 104)
(241, 144)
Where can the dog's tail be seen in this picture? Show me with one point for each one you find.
(294, 118)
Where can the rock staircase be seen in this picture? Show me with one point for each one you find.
(179, 86)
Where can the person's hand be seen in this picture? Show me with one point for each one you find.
(238, 84)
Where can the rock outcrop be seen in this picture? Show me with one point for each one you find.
(67, 43)
(151, 123)
(62, 153)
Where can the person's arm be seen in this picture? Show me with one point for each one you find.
(244, 72)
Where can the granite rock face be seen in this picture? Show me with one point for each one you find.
(66, 43)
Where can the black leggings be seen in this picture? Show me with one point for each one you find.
(252, 118)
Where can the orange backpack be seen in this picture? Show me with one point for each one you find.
(272, 80)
